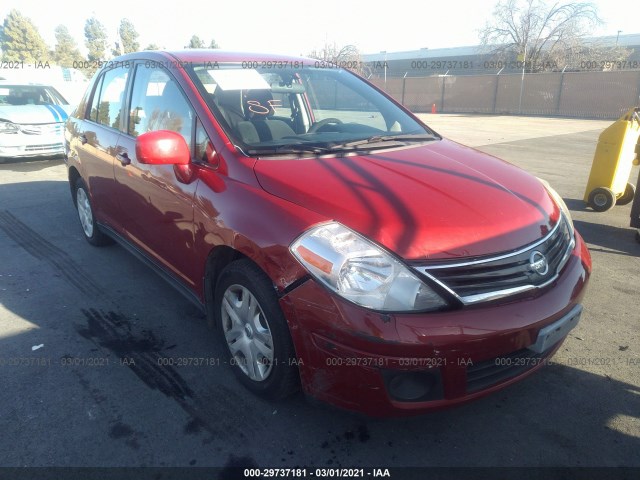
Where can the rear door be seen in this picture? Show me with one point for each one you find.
(96, 138)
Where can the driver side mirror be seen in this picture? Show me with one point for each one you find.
(165, 147)
(162, 147)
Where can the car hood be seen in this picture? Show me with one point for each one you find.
(439, 200)
(26, 114)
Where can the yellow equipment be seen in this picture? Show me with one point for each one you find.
(608, 183)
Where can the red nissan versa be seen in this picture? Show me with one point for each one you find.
(337, 242)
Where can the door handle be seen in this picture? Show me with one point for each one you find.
(123, 158)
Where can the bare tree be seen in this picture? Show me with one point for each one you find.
(347, 56)
(540, 35)
(593, 54)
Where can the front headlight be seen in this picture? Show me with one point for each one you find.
(8, 127)
(360, 271)
(561, 205)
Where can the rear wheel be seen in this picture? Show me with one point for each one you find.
(92, 233)
(602, 199)
(254, 331)
(627, 196)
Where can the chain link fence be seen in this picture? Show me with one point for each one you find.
(605, 95)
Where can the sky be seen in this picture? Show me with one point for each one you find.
(292, 27)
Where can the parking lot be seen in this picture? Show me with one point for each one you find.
(90, 342)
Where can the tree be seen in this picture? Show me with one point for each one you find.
(66, 51)
(213, 44)
(536, 34)
(21, 41)
(195, 42)
(128, 36)
(153, 46)
(347, 56)
(592, 54)
(95, 39)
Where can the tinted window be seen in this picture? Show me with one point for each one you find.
(158, 104)
(107, 101)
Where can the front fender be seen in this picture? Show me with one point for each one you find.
(251, 221)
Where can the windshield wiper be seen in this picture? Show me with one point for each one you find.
(289, 148)
(372, 142)
(377, 141)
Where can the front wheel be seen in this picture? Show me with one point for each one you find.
(254, 331)
(627, 196)
(92, 233)
(602, 199)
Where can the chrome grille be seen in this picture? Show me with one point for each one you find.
(42, 129)
(484, 279)
(44, 148)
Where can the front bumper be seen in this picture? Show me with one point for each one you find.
(30, 145)
(359, 360)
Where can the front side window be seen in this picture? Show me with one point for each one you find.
(108, 98)
(158, 104)
(203, 148)
(295, 109)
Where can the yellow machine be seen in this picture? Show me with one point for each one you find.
(608, 183)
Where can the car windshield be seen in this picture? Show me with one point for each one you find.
(18, 95)
(273, 108)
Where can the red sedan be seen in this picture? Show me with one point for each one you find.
(338, 243)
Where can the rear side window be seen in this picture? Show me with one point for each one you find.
(158, 104)
(108, 98)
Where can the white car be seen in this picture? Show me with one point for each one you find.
(32, 118)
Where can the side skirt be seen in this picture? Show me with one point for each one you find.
(161, 271)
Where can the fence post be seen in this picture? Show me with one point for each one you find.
(404, 85)
(521, 90)
(495, 90)
(560, 91)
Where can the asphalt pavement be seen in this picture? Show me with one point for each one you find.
(91, 342)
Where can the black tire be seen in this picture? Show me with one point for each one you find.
(89, 227)
(602, 199)
(627, 196)
(281, 378)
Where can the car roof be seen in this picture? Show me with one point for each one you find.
(9, 82)
(198, 55)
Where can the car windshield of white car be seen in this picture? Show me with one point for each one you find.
(20, 95)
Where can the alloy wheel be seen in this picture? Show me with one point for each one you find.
(247, 333)
(84, 212)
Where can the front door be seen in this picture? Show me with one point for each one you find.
(156, 208)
